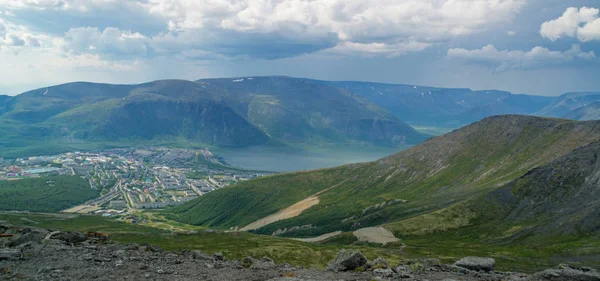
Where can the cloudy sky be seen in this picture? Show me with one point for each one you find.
(544, 47)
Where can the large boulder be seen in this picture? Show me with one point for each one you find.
(70, 237)
(477, 263)
(347, 260)
(33, 235)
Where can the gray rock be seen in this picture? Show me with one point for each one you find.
(430, 262)
(132, 247)
(71, 237)
(28, 245)
(378, 263)
(154, 249)
(218, 256)
(401, 269)
(248, 262)
(263, 264)
(197, 255)
(347, 260)
(566, 274)
(461, 270)
(10, 254)
(477, 263)
(25, 238)
(384, 272)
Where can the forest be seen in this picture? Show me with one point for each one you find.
(44, 194)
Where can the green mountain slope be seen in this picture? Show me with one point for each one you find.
(300, 110)
(220, 112)
(47, 194)
(436, 174)
(550, 213)
(584, 113)
(560, 197)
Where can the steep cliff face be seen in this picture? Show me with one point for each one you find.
(201, 121)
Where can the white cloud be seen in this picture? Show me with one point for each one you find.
(15, 37)
(376, 49)
(503, 60)
(284, 28)
(583, 24)
(78, 5)
(110, 42)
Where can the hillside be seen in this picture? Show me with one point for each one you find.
(568, 102)
(438, 173)
(47, 194)
(443, 106)
(584, 113)
(561, 197)
(219, 112)
(300, 110)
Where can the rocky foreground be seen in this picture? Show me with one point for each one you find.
(41, 254)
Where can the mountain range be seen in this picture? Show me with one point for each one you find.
(239, 112)
(566, 103)
(503, 178)
(219, 112)
(444, 106)
(587, 112)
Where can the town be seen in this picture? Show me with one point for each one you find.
(133, 179)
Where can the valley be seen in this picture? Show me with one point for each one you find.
(300, 140)
(293, 168)
(455, 187)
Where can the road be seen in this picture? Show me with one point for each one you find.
(93, 205)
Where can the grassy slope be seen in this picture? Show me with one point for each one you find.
(45, 194)
(447, 246)
(436, 174)
(232, 245)
(547, 216)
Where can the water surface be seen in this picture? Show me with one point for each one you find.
(286, 159)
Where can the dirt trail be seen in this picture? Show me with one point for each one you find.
(378, 235)
(81, 209)
(289, 212)
(319, 238)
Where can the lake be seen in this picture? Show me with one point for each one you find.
(286, 159)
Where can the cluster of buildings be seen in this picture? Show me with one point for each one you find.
(130, 179)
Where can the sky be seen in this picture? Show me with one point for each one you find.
(541, 47)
